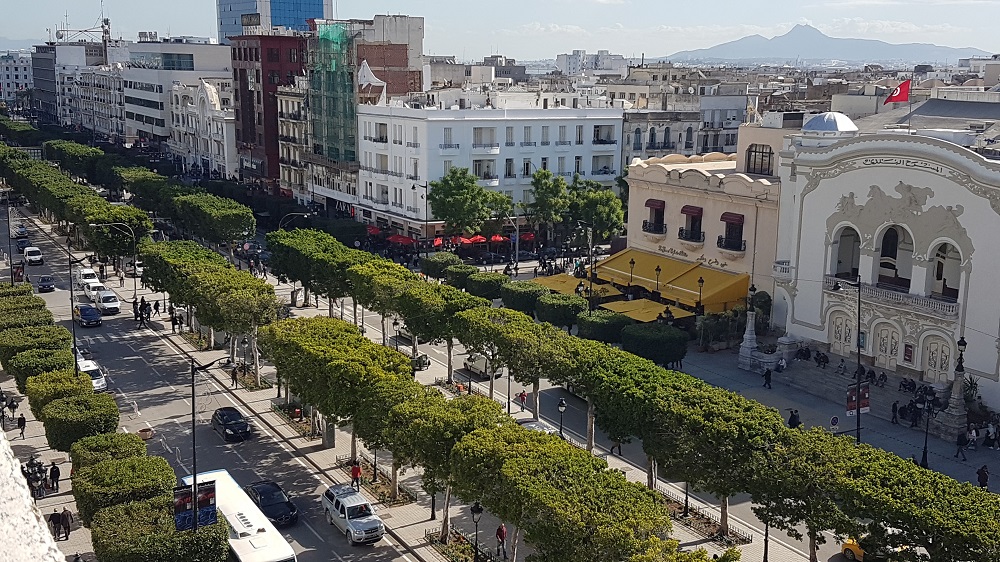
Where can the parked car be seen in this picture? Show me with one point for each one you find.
(476, 364)
(92, 289)
(98, 376)
(133, 269)
(87, 315)
(525, 255)
(538, 425)
(490, 258)
(107, 302)
(22, 243)
(349, 511)
(273, 502)
(20, 230)
(852, 550)
(45, 284)
(84, 275)
(33, 256)
(231, 424)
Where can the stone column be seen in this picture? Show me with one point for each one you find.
(749, 344)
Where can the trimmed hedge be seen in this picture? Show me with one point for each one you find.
(104, 447)
(435, 266)
(602, 325)
(144, 530)
(660, 343)
(16, 340)
(13, 305)
(54, 385)
(486, 284)
(22, 290)
(26, 318)
(560, 310)
(522, 296)
(34, 362)
(67, 420)
(118, 481)
(457, 274)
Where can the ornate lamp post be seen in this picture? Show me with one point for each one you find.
(658, 270)
(477, 514)
(701, 285)
(631, 270)
(395, 326)
(562, 410)
(932, 406)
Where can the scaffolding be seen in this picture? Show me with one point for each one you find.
(332, 93)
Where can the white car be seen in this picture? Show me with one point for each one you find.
(92, 289)
(33, 256)
(83, 276)
(107, 302)
(476, 364)
(133, 269)
(98, 376)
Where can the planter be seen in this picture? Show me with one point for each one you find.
(146, 433)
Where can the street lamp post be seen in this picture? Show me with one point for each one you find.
(244, 344)
(658, 270)
(290, 216)
(194, 450)
(395, 326)
(859, 373)
(10, 251)
(427, 249)
(477, 514)
(631, 270)
(562, 410)
(932, 406)
(131, 232)
(72, 299)
(701, 285)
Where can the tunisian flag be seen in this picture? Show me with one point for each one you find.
(901, 93)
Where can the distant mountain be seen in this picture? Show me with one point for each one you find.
(807, 43)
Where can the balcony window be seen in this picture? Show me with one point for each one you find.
(733, 238)
(692, 230)
(655, 222)
(759, 159)
(637, 140)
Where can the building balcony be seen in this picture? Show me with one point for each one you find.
(706, 149)
(413, 177)
(604, 172)
(291, 116)
(564, 143)
(510, 144)
(870, 293)
(688, 235)
(783, 271)
(380, 140)
(653, 146)
(448, 149)
(604, 144)
(489, 180)
(486, 147)
(413, 145)
(545, 143)
(733, 247)
(657, 228)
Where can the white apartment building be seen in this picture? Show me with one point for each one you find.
(203, 128)
(15, 75)
(99, 100)
(293, 141)
(502, 138)
(602, 63)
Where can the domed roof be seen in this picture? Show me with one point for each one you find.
(830, 122)
(974, 82)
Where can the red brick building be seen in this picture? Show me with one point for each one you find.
(261, 63)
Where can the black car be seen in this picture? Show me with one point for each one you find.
(524, 255)
(22, 243)
(489, 258)
(231, 424)
(273, 502)
(87, 315)
(45, 284)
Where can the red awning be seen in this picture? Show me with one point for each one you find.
(464, 240)
(438, 241)
(528, 236)
(498, 238)
(732, 218)
(373, 230)
(477, 239)
(400, 239)
(691, 211)
(656, 203)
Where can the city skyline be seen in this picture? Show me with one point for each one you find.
(541, 31)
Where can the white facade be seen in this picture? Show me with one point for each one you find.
(203, 128)
(914, 218)
(15, 74)
(293, 139)
(99, 101)
(403, 147)
(602, 62)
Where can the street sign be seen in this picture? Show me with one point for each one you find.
(852, 404)
(834, 421)
(246, 245)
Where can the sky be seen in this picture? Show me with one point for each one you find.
(532, 29)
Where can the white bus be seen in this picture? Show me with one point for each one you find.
(252, 538)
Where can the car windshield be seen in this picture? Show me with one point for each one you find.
(44, 279)
(34, 252)
(357, 511)
(97, 288)
(109, 299)
(232, 418)
(95, 374)
(272, 496)
(88, 311)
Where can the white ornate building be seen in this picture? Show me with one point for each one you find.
(914, 217)
(203, 127)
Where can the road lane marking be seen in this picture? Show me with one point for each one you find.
(306, 523)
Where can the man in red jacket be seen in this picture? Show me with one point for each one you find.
(502, 541)
(356, 476)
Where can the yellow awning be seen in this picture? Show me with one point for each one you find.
(644, 310)
(678, 280)
(562, 283)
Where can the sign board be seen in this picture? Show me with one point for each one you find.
(834, 421)
(183, 514)
(852, 404)
(184, 506)
(250, 20)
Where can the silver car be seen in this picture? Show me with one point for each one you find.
(349, 511)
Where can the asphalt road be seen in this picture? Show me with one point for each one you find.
(152, 383)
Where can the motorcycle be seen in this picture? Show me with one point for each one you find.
(35, 473)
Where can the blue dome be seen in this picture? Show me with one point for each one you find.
(830, 122)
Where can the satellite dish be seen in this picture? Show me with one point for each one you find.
(691, 89)
(60, 34)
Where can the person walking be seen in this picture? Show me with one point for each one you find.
(173, 324)
(356, 476)
(767, 378)
(55, 523)
(156, 308)
(502, 540)
(983, 475)
(3, 405)
(793, 419)
(54, 474)
(962, 441)
(21, 424)
(522, 398)
(12, 406)
(66, 520)
(617, 445)
(895, 412)
(135, 309)
(234, 377)
(121, 280)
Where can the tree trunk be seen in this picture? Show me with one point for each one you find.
(254, 355)
(329, 303)
(489, 373)
(813, 547)
(513, 543)
(354, 305)
(451, 348)
(413, 344)
(535, 386)
(385, 335)
(445, 517)
(724, 517)
(650, 472)
(329, 433)
(232, 348)
(305, 296)
(394, 482)
(294, 297)
(591, 415)
(354, 444)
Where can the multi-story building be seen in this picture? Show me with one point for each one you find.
(502, 138)
(446, 72)
(293, 141)
(52, 69)
(392, 47)
(261, 16)
(203, 128)
(262, 63)
(98, 102)
(15, 76)
(602, 63)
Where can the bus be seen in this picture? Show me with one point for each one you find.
(252, 538)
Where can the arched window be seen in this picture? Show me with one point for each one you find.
(689, 138)
(890, 242)
(652, 138)
(759, 159)
(637, 140)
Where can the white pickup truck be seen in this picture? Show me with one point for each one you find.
(352, 513)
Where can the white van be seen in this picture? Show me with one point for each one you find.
(98, 376)
(83, 276)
